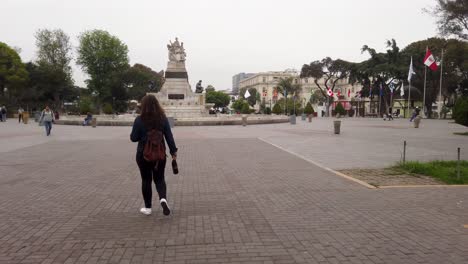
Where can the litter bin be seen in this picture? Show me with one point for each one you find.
(37, 116)
(25, 117)
(292, 119)
(94, 122)
(303, 117)
(337, 126)
(310, 118)
(244, 120)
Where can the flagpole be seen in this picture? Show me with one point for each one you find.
(440, 89)
(380, 100)
(409, 87)
(424, 96)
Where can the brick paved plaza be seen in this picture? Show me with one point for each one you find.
(74, 197)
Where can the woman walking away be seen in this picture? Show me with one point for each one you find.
(149, 130)
(47, 117)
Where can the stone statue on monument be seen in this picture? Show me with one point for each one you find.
(176, 51)
(199, 87)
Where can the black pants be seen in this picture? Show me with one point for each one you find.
(20, 117)
(149, 173)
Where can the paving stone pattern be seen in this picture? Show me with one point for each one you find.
(236, 200)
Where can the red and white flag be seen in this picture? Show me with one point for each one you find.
(330, 92)
(349, 93)
(430, 61)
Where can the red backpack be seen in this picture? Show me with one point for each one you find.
(155, 148)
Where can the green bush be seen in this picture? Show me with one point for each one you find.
(277, 109)
(339, 109)
(309, 109)
(245, 109)
(86, 105)
(107, 109)
(237, 105)
(268, 111)
(460, 111)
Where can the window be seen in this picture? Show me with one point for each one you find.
(295, 81)
(264, 79)
(306, 80)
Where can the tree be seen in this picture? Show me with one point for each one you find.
(460, 111)
(237, 105)
(339, 109)
(289, 105)
(245, 109)
(13, 74)
(379, 73)
(317, 97)
(102, 56)
(455, 67)
(220, 99)
(252, 100)
(452, 17)
(277, 109)
(331, 71)
(140, 79)
(53, 60)
(308, 110)
(209, 88)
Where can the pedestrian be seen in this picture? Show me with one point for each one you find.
(47, 116)
(3, 114)
(20, 114)
(87, 119)
(149, 130)
(415, 113)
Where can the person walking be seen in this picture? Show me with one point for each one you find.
(415, 113)
(20, 114)
(149, 130)
(3, 114)
(47, 116)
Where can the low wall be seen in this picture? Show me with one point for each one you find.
(203, 121)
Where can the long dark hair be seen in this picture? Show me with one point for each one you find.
(152, 113)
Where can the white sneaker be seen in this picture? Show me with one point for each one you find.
(145, 211)
(165, 206)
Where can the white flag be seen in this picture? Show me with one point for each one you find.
(247, 94)
(410, 71)
(402, 90)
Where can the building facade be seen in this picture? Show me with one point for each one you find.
(236, 80)
(266, 84)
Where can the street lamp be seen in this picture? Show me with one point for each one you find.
(113, 107)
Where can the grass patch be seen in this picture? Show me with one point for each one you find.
(445, 171)
(461, 134)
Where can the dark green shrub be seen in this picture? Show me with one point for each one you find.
(309, 109)
(245, 109)
(107, 109)
(277, 109)
(460, 111)
(339, 109)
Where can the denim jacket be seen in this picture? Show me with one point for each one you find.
(139, 135)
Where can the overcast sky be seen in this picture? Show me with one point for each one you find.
(224, 37)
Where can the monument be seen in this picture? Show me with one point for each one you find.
(176, 95)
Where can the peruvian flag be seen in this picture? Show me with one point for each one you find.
(349, 93)
(330, 92)
(429, 61)
(339, 93)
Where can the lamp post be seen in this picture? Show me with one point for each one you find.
(113, 107)
(78, 102)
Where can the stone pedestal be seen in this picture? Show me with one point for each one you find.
(176, 95)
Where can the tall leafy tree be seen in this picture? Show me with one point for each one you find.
(13, 74)
(140, 79)
(455, 68)
(331, 71)
(218, 98)
(452, 17)
(53, 60)
(252, 99)
(380, 72)
(102, 56)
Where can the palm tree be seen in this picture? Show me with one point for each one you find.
(286, 86)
